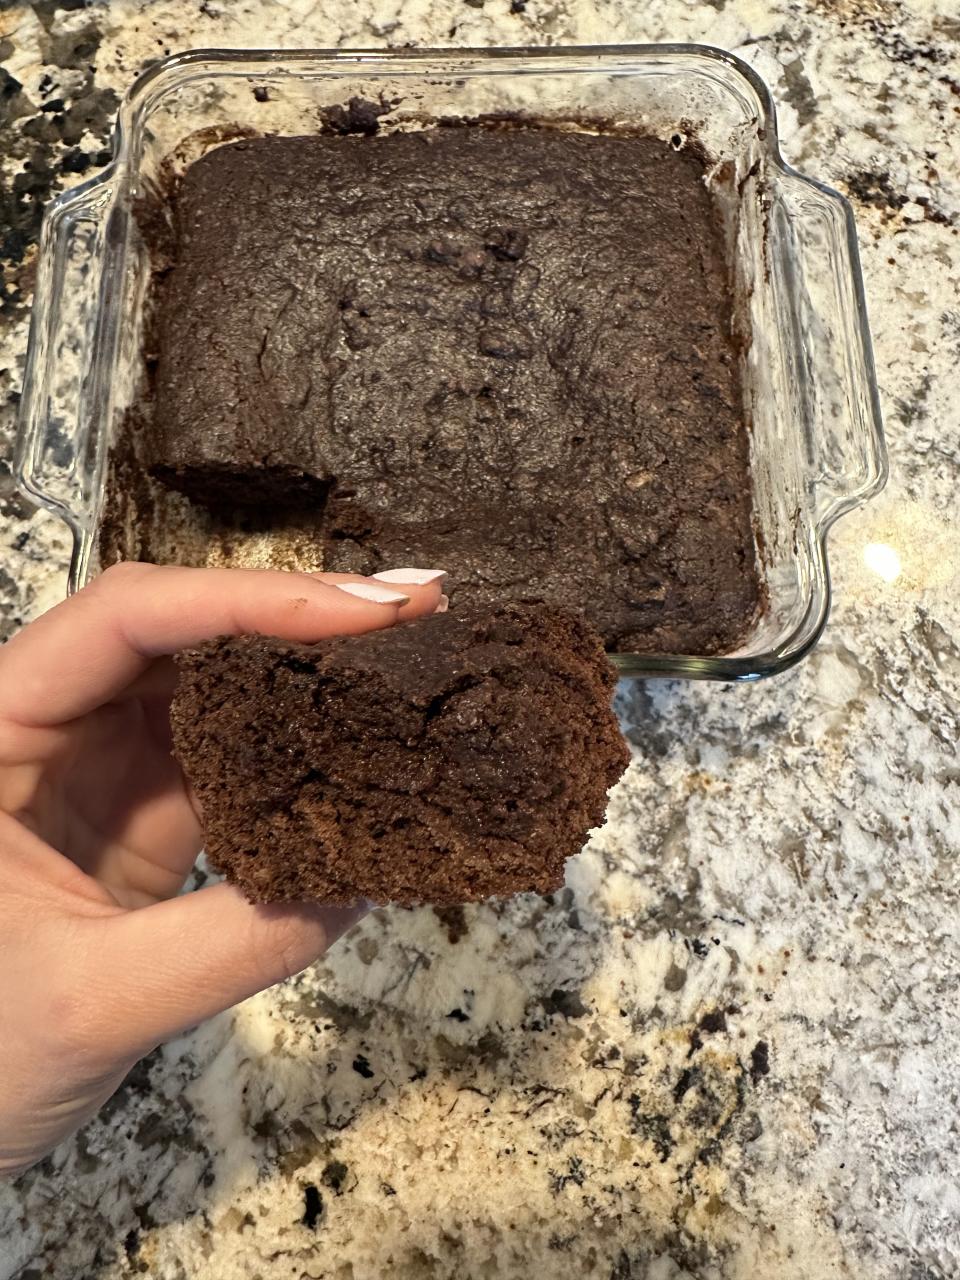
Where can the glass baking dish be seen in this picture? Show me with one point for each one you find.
(816, 444)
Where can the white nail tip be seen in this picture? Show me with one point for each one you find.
(443, 606)
(416, 577)
(367, 591)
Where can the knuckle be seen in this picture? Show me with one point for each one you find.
(76, 1017)
(73, 1022)
(288, 948)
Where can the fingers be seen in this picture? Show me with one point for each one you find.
(174, 964)
(89, 649)
(424, 587)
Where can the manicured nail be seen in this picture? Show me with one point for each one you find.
(416, 577)
(367, 591)
(443, 606)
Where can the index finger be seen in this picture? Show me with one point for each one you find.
(88, 649)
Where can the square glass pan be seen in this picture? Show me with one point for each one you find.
(816, 444)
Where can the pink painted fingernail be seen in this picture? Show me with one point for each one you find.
(376, 595)
(416, 577)
(443, 606)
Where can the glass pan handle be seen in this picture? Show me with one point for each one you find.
(832, 356)
(51, 453)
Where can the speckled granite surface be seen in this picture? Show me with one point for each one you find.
(731, 1048)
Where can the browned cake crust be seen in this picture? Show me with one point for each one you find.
(447, 760)
(506, 352)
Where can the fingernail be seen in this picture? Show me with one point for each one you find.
(367, 591)
(443, 606)
(416, 577)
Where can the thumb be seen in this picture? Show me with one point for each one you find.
(186, 959)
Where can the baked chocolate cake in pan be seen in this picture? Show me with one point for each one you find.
(505, 351)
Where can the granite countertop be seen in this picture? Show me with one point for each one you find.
(731, 1046)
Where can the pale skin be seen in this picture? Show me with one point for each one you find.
(100, 960)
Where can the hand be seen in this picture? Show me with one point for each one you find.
(100, 961)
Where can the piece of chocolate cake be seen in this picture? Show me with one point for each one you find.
(446, 760)
(506, 351)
